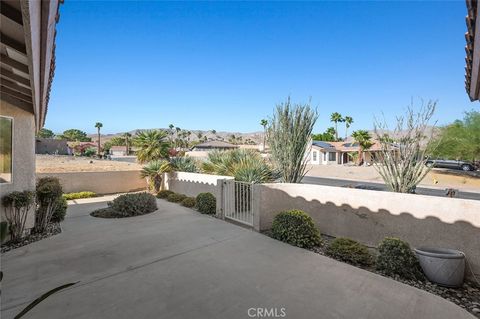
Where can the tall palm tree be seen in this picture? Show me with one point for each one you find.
(98, 125)
(264, 123)
(127, 136)
(152, 144)
(348, 121)
(363, 138)
(199, 135)
(335, 118)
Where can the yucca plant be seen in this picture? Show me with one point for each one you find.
(244, 165)
(153, 172)
(152, 144)
(184, 164)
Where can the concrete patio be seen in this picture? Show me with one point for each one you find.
(177, 263)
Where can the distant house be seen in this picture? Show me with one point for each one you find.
(51, 146)
(118, 150)
(338, 153)
(80, 147)
(213, 145)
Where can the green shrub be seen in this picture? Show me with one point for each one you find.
(184, 164)
(296, 228)
(60, 210)
(206, 203)
(350, 251)
(135, 204)
(176, 198)
(189, 202)
(48, 192)
(164, 194)
(17, 205)
(396, 258)
(79, 195)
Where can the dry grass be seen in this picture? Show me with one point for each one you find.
(61, 164)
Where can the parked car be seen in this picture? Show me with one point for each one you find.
(453, 164)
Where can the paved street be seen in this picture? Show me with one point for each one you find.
(382, 187)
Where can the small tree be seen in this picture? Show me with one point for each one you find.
(153, 172)
(404, 151)
(264, 123)
(48, 192)
(17, 205)
(45, 133)
(288, 136)
(363, 139)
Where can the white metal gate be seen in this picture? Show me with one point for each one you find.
(237, 201)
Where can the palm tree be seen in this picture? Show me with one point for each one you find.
(126, 136)
(152, 145)
(335, 118)
(348, 121)
(363, 138)
(98, 125)
(153, 172)
(199, 135)
(264, 123)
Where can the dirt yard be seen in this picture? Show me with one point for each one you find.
(60, 164)
(437, 177)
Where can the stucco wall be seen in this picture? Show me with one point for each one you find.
(100, 182)
(192, 184)
(369, 216)
(23, 177)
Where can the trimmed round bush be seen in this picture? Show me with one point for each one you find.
(297, 228)
(128, 205)
(395, 258)
(60, 210)
(176, 198)
(164, 194)
(189, 202)
(350, 251)
(206, 203)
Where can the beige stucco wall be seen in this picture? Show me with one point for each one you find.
(369, 216)
(192, 184)
(99, 182)
(23, 177)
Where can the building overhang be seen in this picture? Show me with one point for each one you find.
(472, 50)
(27, 48)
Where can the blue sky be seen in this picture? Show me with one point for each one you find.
(224, 66)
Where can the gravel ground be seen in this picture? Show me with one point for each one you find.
(467, 297)
(53, 229)
(63, 163)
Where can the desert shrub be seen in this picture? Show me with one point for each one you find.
(48, 192)
(79, 195)
(90, 152)
(176, 198)
(396, 258)
(296, 228)
(350, 251)
(189, 202)
(184, 164)
(60, 210)
(17, 205)
(206, 203)
(164, 194)
(135, 204)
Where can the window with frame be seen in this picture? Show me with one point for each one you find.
(314, 158)
(332, 156)
(6, 149)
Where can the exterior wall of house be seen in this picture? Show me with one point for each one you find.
(23, 161)
(118, 152)
(369, 216)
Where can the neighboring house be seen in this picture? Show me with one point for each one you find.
(213, 145)
(339, 153)
(27, 58)
(472, 49)
(51, 146)
(118, 150)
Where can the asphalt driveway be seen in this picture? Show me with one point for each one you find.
(177, 263)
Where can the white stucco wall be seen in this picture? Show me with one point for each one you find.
(23, 173)
(369, 216)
